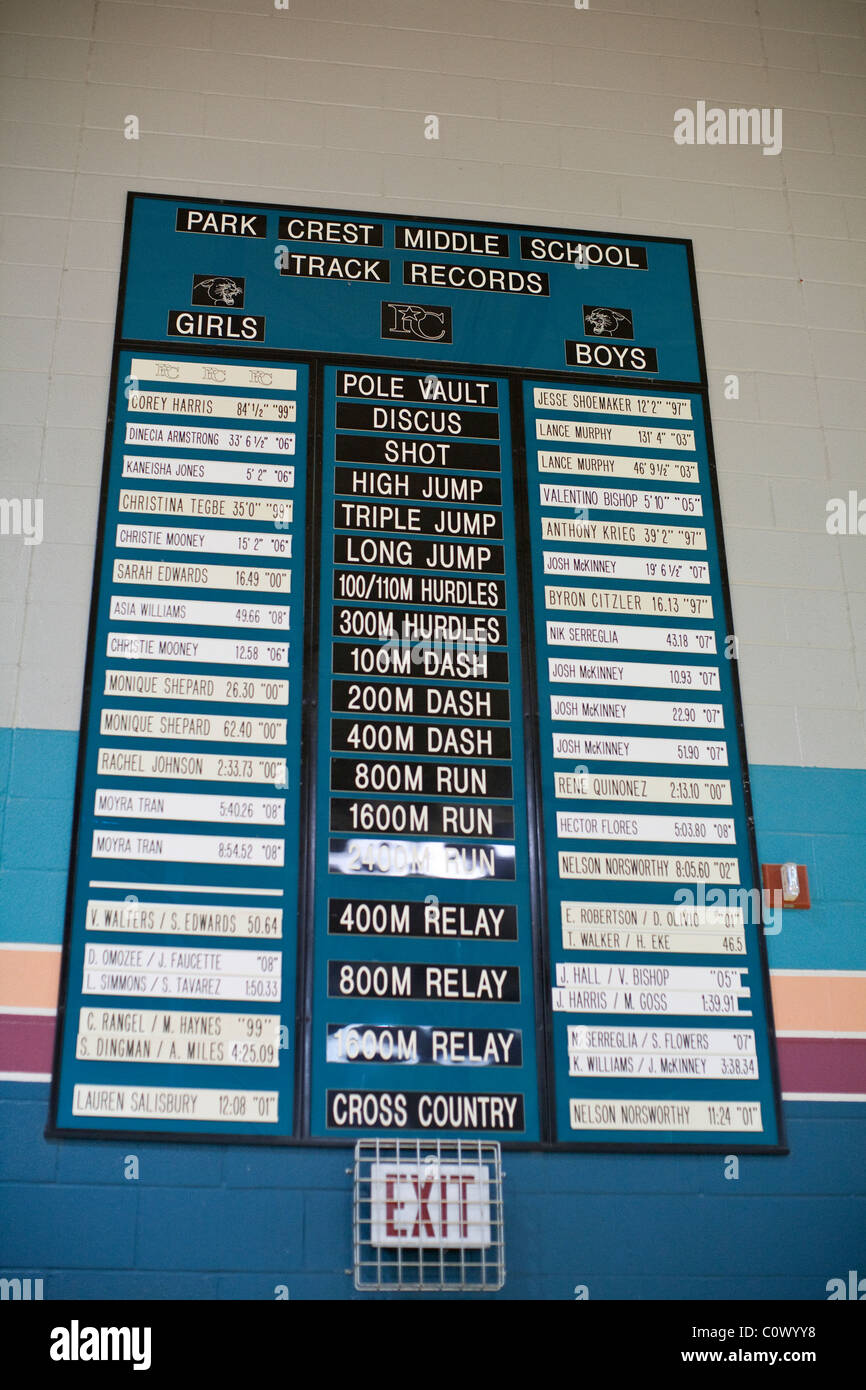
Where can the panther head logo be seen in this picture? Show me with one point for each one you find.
(221, 289)
(604, 320)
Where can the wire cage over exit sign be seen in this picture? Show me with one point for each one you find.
(427, 1216)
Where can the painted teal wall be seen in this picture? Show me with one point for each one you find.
(227, 1222)
(213, 1221)
(815, 816)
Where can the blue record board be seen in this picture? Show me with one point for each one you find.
(412, 795)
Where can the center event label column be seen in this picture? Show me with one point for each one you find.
(423, 1012)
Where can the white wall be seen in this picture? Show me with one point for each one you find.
(548, 114)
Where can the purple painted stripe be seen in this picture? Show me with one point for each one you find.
(26, 1042)
(835, 1065)
(832, 1065)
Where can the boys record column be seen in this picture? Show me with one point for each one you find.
(660, 1024)
(423, 995)
(180, 985)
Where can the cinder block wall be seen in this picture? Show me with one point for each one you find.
(548, 114)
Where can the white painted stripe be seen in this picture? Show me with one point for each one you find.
(832, 974)
(814, 1033)
(823, 1095)
(39, 1012)
(33, 1009)
(26, 946)
(25, 1075)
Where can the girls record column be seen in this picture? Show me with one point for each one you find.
(180, 971)
(423, 995)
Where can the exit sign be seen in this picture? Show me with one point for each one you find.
(430, 1205)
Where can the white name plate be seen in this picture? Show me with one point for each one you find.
(704, 830)
(174, 575)
(665, 942)
(628, 601)
(209, 373)
(727, 1054)
(584, 786)
(209, 437)
(639, 750)
(192, 849)
(710, 1042)
(217, 728)
(607, 403)
(615, 635)
(612, 499)
(224, 651)
(626, 567)
(157, 1035)
(617, 466)
(670, 977)
(696, 715)
(734, 1116)
(177, 972)
(177, 470)
(204, 407)
(189, 806)
(206, 504)
(167, 1103)
(578, 999)
(656, 868)
(654, 916)
(652, 673)
(184, 919)
(202, 767)
(557, 528)
(583, 432)
(198, 612)
(166, 685)
(204, 539)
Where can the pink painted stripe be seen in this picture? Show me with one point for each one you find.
(836, 1065)
(26, 1042)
